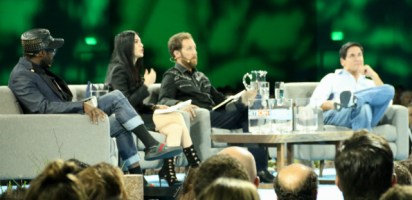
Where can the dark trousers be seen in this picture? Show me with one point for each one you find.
(235, 119)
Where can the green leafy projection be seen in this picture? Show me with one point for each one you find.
(290, 40)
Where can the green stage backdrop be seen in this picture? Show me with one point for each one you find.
(294, 40)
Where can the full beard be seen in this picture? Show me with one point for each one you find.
(189, 63)
(46, 63)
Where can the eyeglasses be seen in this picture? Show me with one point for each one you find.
(52, 51)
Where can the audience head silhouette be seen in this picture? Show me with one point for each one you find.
(246, 159)
(13, 194)
(103, 181)
(398, 192)
(57, 182)
(296, 181)
(215, 167)
(364, 166)
(229, 189)
(403, 176)
(187, 191)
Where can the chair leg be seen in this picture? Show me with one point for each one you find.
(321, 167)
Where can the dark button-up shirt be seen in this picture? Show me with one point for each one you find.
(179, 84)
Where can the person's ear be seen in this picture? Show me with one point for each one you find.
(176, 54)
(337, 182)
(256, 182)
(342, 62)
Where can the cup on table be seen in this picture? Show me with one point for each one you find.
(279, 91)
(306, 115)
(281, 115)
(262, 88)
(258, 116)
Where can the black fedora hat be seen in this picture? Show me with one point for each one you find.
(39, 39)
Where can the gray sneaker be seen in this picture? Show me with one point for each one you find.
(347, 100)
(161, 151)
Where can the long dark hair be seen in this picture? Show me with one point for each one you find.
(123, 54)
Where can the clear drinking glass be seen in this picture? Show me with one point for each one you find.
(279, 91)
(281, 115)
(262, 88)
(259, 122)
(306, 115)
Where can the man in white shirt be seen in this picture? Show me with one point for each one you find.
(347, 97)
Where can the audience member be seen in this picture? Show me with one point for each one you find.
(13, 194)
(403, 176)
(347, 97)
(80, 164)
(246, 159)
(364, 166)
(215, 167)
(57, 182)
(184, 81)
(187, 191)
(398, 192)
(296, 181)
(39, 90)
(410, 115)
(407, 163)
(398, 92)
(229, 189)
(406, 98)
(124, 74)
(103, 181)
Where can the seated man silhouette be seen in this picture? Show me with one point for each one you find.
(364, 166)
(296, 181)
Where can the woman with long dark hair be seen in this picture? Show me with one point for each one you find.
(124, 74)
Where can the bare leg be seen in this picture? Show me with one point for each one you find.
(174, 127)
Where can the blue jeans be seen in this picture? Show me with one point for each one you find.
(123, 118)
(370, 107)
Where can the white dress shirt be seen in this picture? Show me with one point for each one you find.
(333, 84)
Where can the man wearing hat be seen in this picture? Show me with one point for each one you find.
(41, 91)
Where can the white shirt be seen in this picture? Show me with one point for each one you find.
(333, 84)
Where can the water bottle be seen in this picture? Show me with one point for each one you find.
(279, 92)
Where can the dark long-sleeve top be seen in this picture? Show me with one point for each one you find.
(121, 79)
(39, 91)
(178, 84)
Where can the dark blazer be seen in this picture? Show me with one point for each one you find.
(119, 78)
(34, 89)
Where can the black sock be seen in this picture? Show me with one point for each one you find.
(144, 136)
(136, 170)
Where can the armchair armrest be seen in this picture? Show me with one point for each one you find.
(397, 116)
(29, 142)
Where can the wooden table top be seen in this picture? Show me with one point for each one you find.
(292, 137)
